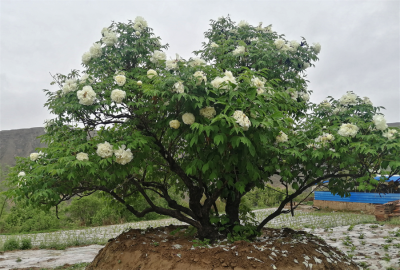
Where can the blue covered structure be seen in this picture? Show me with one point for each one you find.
(360, 197)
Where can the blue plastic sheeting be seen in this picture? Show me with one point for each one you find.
(358, 197)
(393, 178)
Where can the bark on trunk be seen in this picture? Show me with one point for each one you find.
(208, 231)
(232, 208)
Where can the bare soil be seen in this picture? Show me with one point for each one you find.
(157, 248)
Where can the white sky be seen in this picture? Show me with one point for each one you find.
(360, 43)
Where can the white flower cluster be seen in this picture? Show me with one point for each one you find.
(348, 99)
(82, 156)
(305, 96)
(239, 50)
(123, 156)
(171, 64)
(158, 56)
(94, 52)
(267, 29)
(21, 175)
(86, 57)
(339, 110)
(174, 124)
(105, 30)
(325, 137)
(104, 150)
(348, 130)
(69, 86)
(325, 104)
(120, 79)
(292, 46)
(140, 24)
(214, 45)
(259, 84)
(390, 134)
(316, 48)
(151, 73)
(367, 101)
(118, 95)
(380, 122)
(188, 118)
(313, 145)
(197, 62)
(216, 83)
(200, 76)
(208, 112)
(242, 120)
(178, 88)
(292, 93)
(85, 77)
(109, 37)
(243, 23)
(86, 96)
(279, 43)
(35, 156)
(282, 137)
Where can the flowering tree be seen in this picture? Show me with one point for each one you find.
(216, 126)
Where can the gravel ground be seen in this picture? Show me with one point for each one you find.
(377, 246)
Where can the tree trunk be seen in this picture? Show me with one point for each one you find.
(207, 231)
(232, 208)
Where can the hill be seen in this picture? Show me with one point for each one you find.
(18, 143)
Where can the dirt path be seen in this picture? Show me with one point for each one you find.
(48, 258)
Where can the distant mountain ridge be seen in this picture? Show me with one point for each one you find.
(19, 143)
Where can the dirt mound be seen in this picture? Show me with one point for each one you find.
(157, 248)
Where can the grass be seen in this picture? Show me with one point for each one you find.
(78, 266)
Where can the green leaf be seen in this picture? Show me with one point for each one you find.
(205, 167)
(214, 220)
(219, 138)
(193, 140)
(295, 186)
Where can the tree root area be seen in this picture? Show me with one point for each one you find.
(157, 248)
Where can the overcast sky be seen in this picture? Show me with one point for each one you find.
(359, 39)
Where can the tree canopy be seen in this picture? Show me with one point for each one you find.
(134, 123)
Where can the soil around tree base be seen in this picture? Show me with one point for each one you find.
(157, 248)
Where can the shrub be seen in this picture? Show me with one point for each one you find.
(26, 243)
(27, 218)
(11, 244)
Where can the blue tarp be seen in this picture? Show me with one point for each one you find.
(358, 197)
(393, 178)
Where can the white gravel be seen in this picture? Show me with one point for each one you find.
(377, 246)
